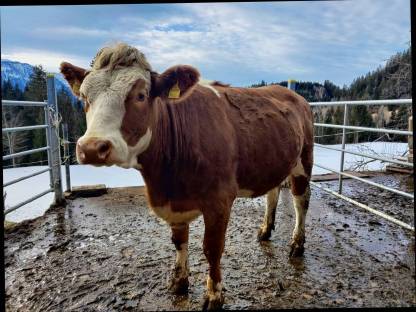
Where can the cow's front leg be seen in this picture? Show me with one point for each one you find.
(214, 239)
(179, 281)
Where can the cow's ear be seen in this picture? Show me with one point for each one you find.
(175, 83)
(74, 75)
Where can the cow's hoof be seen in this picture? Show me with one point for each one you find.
(296, 250)
(179, 286)
(213, 303)
(264, 235)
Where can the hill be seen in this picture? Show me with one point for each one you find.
(391, 81)
(18, 75)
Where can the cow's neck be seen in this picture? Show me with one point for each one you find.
(162, 161)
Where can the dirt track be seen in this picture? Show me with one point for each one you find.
(109, 253)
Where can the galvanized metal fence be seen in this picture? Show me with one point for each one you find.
(341, 172)
(52, 147)
(54, 160)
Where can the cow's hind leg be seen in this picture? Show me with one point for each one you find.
(301, 194)
(269, 215)
(179, 281)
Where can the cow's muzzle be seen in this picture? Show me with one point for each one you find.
(93, 151)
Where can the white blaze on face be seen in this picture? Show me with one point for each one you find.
(106, 92)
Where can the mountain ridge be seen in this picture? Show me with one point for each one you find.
(19, 73)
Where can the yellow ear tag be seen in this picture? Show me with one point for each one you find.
(174, 92)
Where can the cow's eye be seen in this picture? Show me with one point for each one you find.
(140, 97)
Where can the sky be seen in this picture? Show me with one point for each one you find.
(237, 43)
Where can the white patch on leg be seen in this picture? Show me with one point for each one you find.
(299, 204)
(182, 261)
(207, 84)
(213, 291)
(272, 199)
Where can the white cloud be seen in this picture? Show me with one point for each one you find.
(224, 35)
(49, 60)
(285, 39)
(72, 31)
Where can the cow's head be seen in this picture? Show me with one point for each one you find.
(119, 93)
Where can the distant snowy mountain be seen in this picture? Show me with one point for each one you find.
(15, 72)
(19, 75)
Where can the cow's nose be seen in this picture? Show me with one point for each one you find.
(93, 151)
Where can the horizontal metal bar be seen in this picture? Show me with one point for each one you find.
(26, 177)
(27, 201)
(36, 150)
(368, 182)
(15, 129)
(398, 162)
(368, 102)
(378, 130)
(22, 103)
(361, 205)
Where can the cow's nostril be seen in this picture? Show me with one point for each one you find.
(103, 149)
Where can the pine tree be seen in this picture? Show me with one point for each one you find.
(360, 116)
(338, 120)
(329, 132)
(13, 116)
(36, 91)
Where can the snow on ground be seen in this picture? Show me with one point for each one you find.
(119, 177)
(331, 159)
(80, 175)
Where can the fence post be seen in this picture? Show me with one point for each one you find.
(291, 84)
(410, 140)
(48, 143)
(54, 140)
(341, 166)
(66, 155)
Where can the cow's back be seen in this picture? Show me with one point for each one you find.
(272, 125)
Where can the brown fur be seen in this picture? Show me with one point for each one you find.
(203, 140)
(74, 75)
(180, 234)
(120, 55)
(204, 148)
(186, 77)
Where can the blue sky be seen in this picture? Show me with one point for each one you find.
(237, 43)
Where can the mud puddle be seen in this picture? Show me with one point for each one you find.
(109, 253)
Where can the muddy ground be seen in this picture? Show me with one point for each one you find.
(109, 253)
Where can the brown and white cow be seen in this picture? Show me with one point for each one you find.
(197, 145)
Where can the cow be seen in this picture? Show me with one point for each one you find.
(198, 145)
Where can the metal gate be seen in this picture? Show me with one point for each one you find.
(341, 172)
(52, 147)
